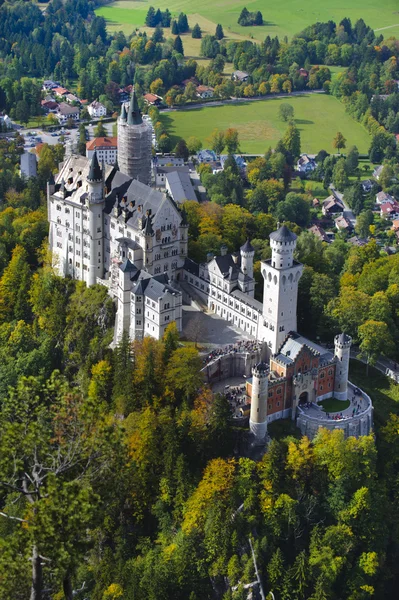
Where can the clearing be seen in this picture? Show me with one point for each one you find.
(281, 19)
(317, 116)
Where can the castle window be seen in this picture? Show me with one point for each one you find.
(279, 390)
(98, 229)
(112, 225)
(330, 371)
(321, 388)
(78, 265)
(270, 406)
(138, 311)
(270, 394)
(322, 375)
(58, 220)
(138, 322)
(59, 244)
(67, 211)
(58, 207)
(278, 403)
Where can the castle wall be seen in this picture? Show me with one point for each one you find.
(236, 364)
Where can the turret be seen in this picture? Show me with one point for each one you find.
(134, 113)
(247, 259)
(342, 352)
(283, 244)
(258, 415)
(95, 200)
(95, 180)
(123, 116)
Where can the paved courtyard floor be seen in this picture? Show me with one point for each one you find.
(209, 329)
(357, 403)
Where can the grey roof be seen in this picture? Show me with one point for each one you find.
(95, 173)
(123, 113)
(294, 344)
(129, 243)
(134, 114)
(343, 338)
(153, 287)
(247, 247)
(245, 298)
(180, 186)
(283, 235)
(127, 266)
(191, 266)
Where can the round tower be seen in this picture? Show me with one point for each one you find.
(247, 259)
(283, 244)
(343, 344)
(134, 143)
(258, 415)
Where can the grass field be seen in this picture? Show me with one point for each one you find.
(331, 405)
(280, 19)
(318, 117)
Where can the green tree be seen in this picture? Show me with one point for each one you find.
(182, 23)
(375, 340)
(363, 222)
(196, 32)
(14, 286)
(231, 141)
(123, 363)
(150, 20)
(219, 34)
(174, 28)
(99, 130)
(352, 160)
(217, 141)
(340, 176)
(181, 150)
(339, 142)
(194, 144)
(286, 112)
(22, 112)
(178, 45)
(183, 375)
(292, 141)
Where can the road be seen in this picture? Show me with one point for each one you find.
(348, 214)
(239, 100)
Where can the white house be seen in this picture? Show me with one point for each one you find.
(106, 148)
(97, 110)
(203, 91)
(66, 112)
(306, 164)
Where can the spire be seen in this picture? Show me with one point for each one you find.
(95, 173)
(51, 179)
(134, 114)
(123, 113)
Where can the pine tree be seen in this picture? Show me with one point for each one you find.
(196, 32)
(150, 18)
(258, 18)
(157, 36)
(182, 23)
(219, 34)
(175, 28)
(244, 17)
(178, 45)
(158, 17)
(122, 392)
(166, 18)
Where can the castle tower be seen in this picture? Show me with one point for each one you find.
(95, 203)
(342, 352)
(247, 259)
(258, 415)
(280, 291)
(134, 143)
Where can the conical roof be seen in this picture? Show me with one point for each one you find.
(134, 114)
(51, 179)
(283, 235)
(95, 173)
(247, 247)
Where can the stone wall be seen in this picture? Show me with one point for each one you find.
(236, 364)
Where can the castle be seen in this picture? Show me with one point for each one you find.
(107, 225)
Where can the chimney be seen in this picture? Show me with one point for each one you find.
(234, 256)
(209, 256)
(223, 250)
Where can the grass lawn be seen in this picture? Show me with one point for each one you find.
(383, 391)
(318, 117)
(280, 19)
(331, 405)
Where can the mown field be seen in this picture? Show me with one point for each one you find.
(280, 18)
(318, 117)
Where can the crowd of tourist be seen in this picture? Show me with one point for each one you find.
(242, 346)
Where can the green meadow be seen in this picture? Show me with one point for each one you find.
(317, 116)
(281, 19)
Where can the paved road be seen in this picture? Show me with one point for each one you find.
(47, 138)
(384, 365)
(348, 214)
(239, 100)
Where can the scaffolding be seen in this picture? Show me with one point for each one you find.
(134, 150)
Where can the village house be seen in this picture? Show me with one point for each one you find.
(178, 185)
(49, 84)
(49, 106)
(389, 210)
(343, 224)
(70, 98)
(320, 233)
(97, 110)
(66, 112)
(204, 91)
(106, 148)
(152, 99)
(240, 76)
(367, 186)
(383, 198)
(60, 91)
(332, 206)
(306, 164)
(206, 156)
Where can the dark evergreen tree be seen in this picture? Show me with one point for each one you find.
(157, 36)
(158, 17)
(150, 18)
(244, 17)
(175, 28)
(182, 23)
(196, 32)
(178, 45)
(258, 18)
(166, 18)
(181, 150)
(122, 391)
(219, 34)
